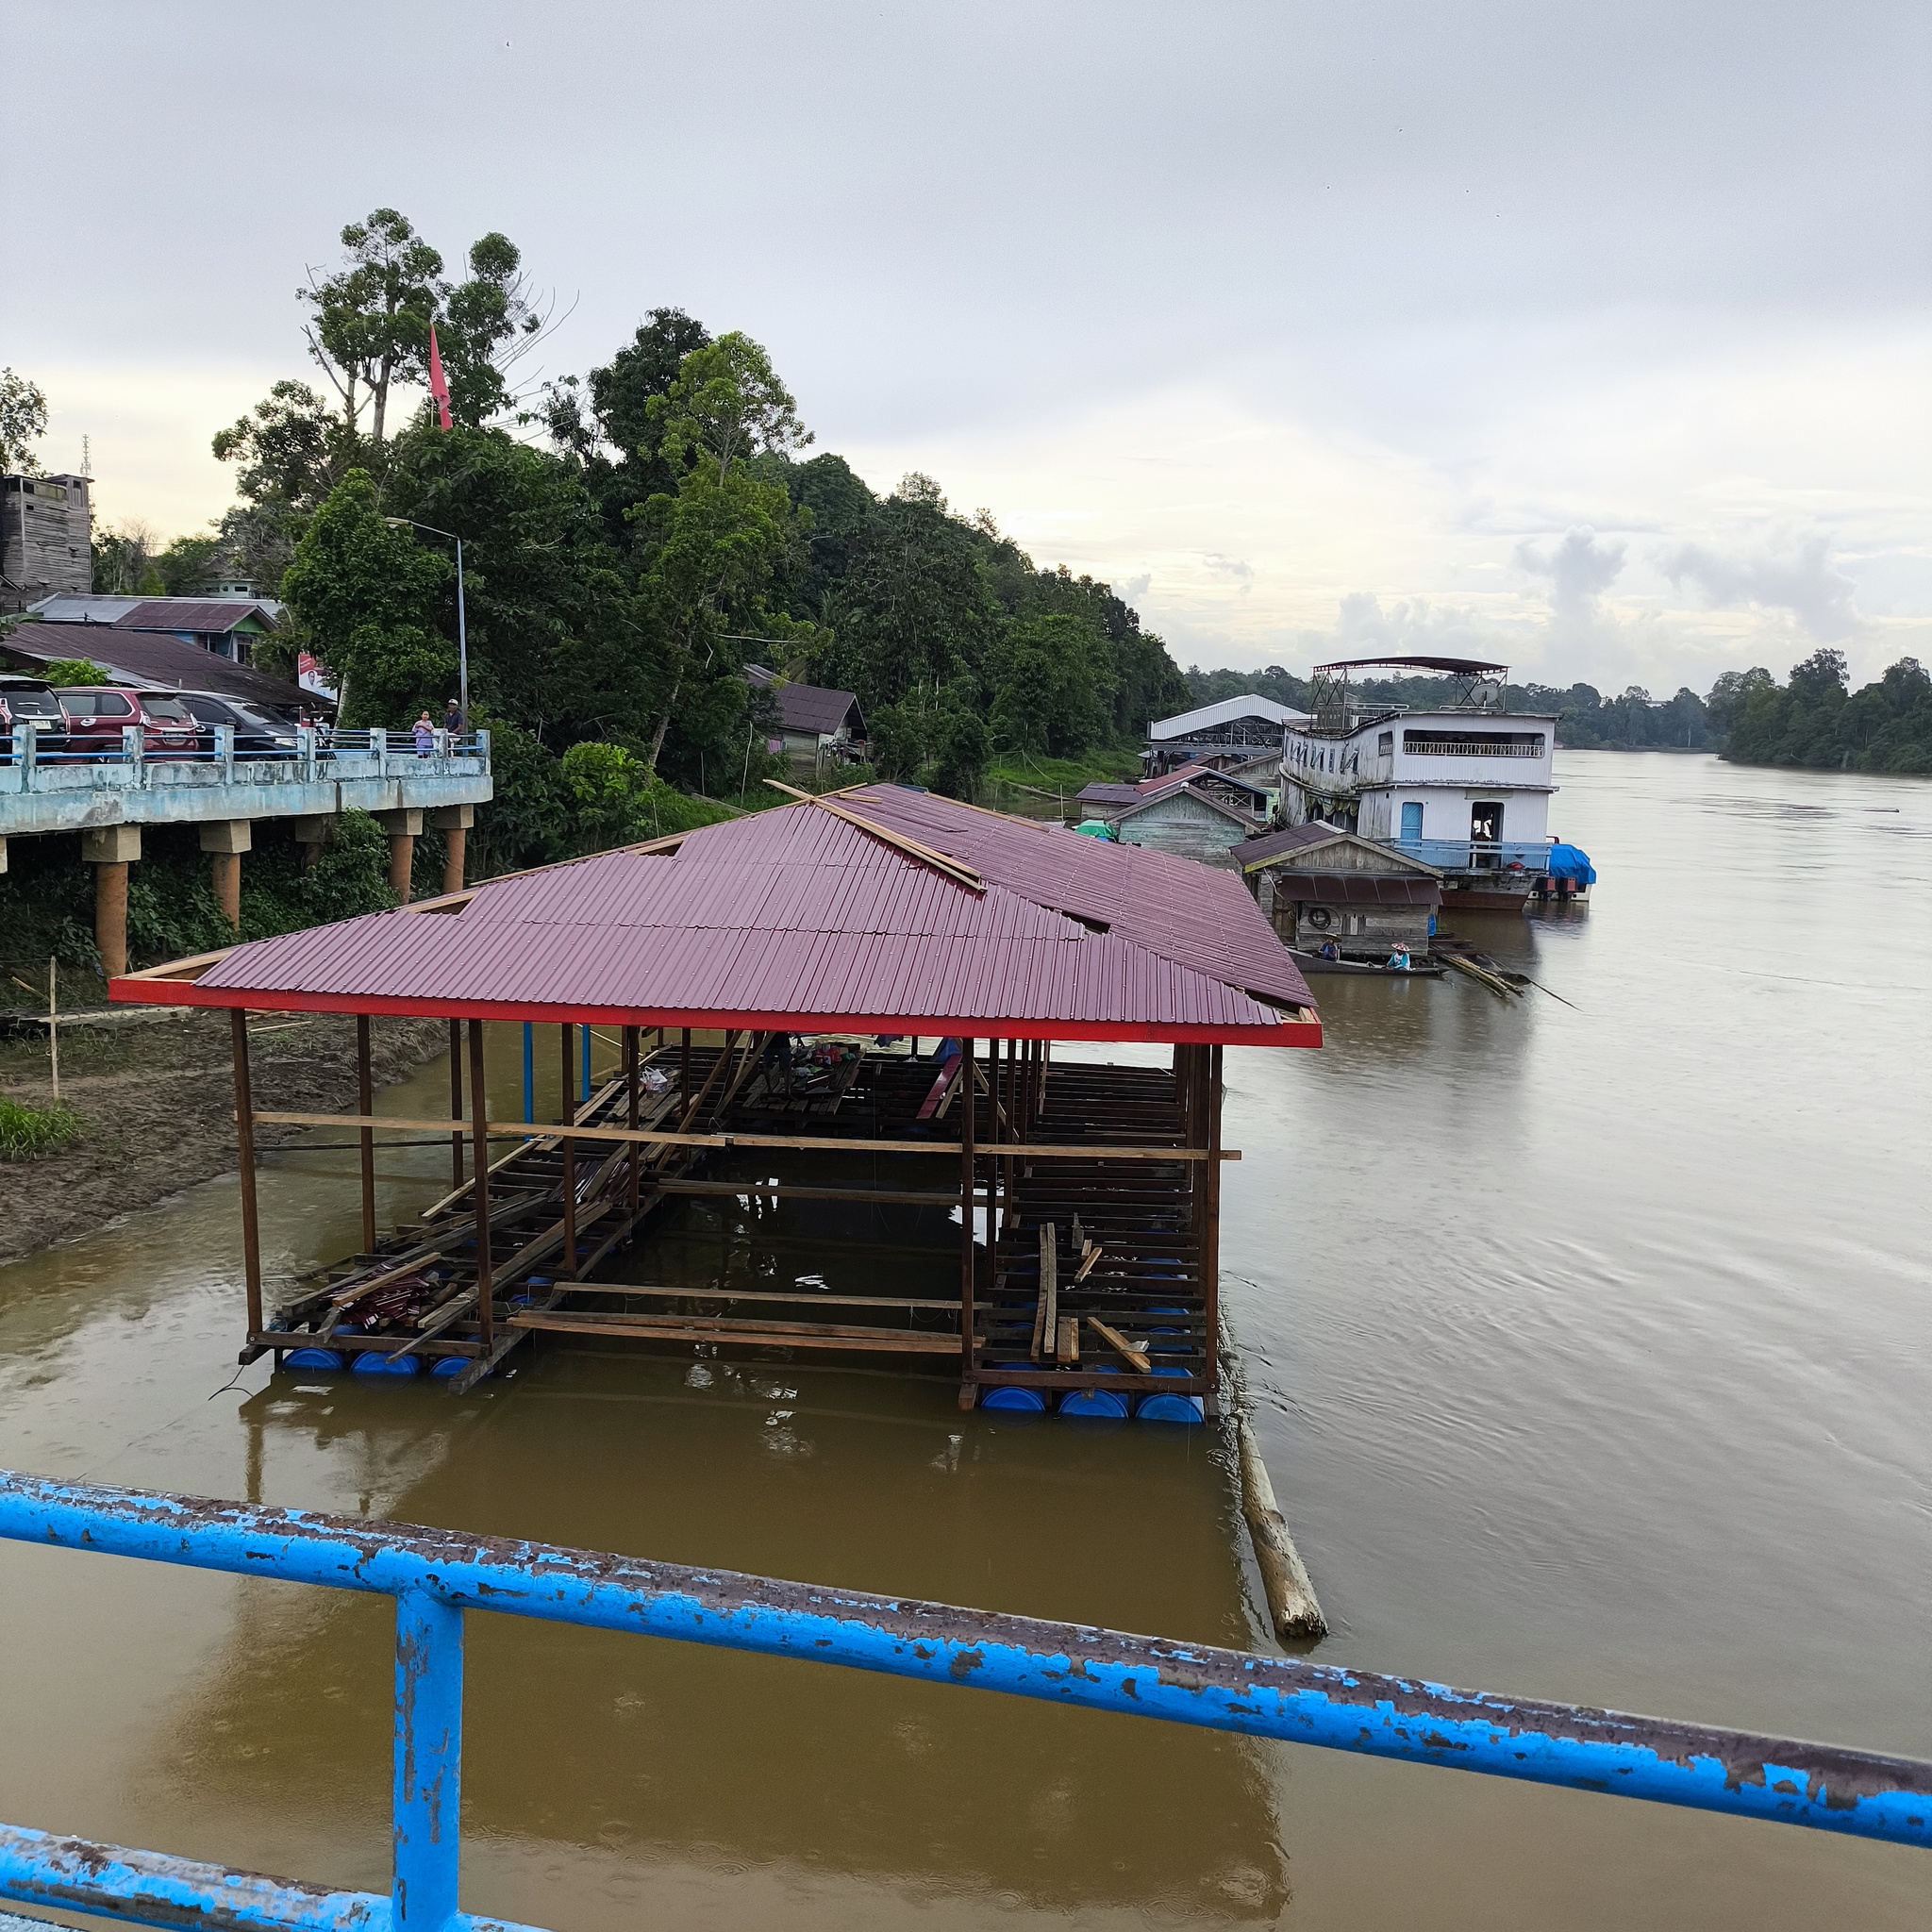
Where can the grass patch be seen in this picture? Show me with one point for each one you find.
(1104, 764)
(27, 1132)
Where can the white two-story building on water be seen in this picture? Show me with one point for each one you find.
(1465, 788)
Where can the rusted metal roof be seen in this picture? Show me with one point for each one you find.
(814, 708)
(1196, 915)
(155, 658)
(789, 919)
(1355, 889)
(202, 615)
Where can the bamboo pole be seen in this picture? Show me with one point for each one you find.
(365, 1097)
(486, 1294)
(244, 1143)
(456, 1102)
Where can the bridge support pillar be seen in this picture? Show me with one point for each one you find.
(311, 834)
(453, 823)
(111, 850)
(225, 841)
(404, 829)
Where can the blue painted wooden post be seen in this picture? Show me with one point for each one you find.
(428, 1819)
(529, 1072)
(584, 1085)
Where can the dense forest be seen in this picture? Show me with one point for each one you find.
(632, 538)
(1816, 719)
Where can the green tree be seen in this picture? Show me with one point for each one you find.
(483, 325)
(64, 672)
(364, 592)
(1053, 686)
(725, 405)
(369, 325)
(23, 423)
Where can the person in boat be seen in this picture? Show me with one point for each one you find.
(1329, 949)
(1398, 959)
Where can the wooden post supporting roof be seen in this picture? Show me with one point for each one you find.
(244, 1142)
(456, 1102)
(566, 1037)
(365, 1100)
(636, 1155)
(968, 1394)
(1209, 1184)
(486, 1293)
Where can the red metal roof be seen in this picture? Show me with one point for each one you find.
(792, 919)
(1196, 915)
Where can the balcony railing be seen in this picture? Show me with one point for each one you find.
(1475, 854)
(1532, 746)
(437, 1574)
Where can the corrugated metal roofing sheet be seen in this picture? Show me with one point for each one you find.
(1194, 914)
(796, 916)
(1355, 889)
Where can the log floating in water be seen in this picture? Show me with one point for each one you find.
(1291, 1604)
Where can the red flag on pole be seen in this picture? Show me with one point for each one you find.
(438, 383)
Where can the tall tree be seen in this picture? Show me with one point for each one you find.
(727, 405)
(370, 319)
(23, 423)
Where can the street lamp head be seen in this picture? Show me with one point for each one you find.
(399, 523)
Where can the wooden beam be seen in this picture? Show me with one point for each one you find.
(802, 1143)
(456, 1102)
(487, 1294)
(704, 1328)
(244, 1141)
(968, 1086)
(1045, 1305)
(1120, 1344)
(753, 1294)
(960, 874)
(365, 1099)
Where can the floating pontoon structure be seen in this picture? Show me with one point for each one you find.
(1088, 1196)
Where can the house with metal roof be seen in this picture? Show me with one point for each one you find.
(1317, 883)
(817, 726)
(1194, 811)
(224, 626)
(774, 984)
(1210, 733)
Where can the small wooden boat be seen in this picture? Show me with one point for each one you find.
(1313, 962)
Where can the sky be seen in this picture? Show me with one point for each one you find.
(1593, 339)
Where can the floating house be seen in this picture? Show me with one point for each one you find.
(1464, 787)
(1195, 813)
(766, 978)
(1231, 733)
(1316, 882)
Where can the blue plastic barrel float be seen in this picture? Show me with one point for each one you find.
(312, 1358)
(375, 1362)
(1023, 1401)
(448, 1365)
(1173, 1407)
(1100, 1404)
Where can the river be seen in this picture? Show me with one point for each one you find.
(1594, 1358)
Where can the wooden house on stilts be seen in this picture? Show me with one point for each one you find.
(764, 977)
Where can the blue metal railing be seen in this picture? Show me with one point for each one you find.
(436, 1575)
(1465, 854)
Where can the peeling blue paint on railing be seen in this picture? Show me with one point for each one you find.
(435, 1575)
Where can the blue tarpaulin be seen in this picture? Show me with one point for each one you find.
(1571, 862)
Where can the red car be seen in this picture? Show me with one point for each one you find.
(98, 713)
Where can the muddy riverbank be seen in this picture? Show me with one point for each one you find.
(157, 1100)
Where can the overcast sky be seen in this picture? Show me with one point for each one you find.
(1598, 336)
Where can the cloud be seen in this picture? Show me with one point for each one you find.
(1803, 581)
(1133, 589)
(1242, 574)
(1412, 627)
(1579, 568)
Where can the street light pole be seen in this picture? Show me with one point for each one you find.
(462, 627)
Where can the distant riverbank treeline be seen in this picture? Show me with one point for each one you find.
(631, 541)
(1586, 719)
(1748, 717)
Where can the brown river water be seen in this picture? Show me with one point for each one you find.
(1593, 1350)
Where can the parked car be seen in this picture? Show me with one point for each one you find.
(98, 713)
(35, 698)
(258, 733)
